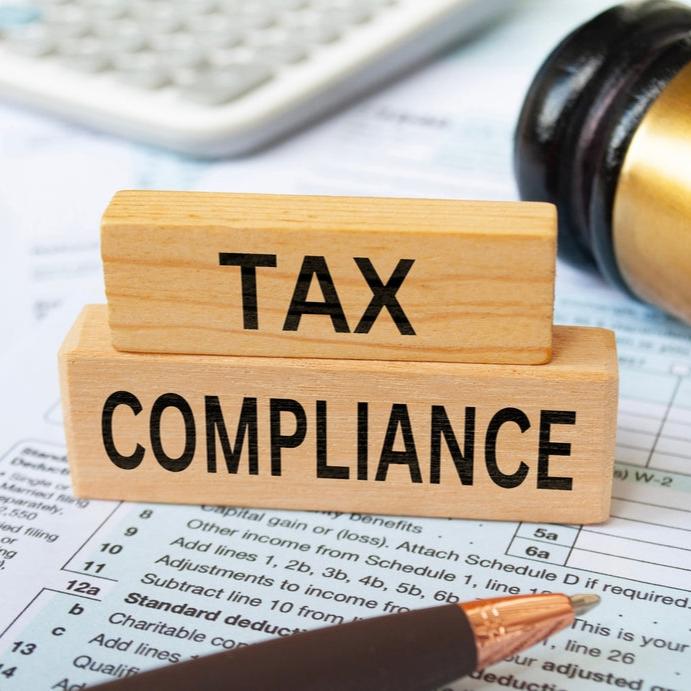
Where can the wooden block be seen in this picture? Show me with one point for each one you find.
(333, 277)
(431, 439)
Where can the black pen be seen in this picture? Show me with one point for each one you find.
(414, 651)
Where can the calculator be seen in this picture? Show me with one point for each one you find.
(216, 77)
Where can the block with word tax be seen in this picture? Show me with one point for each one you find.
(513, 442)
(332, 277)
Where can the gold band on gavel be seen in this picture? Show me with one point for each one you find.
(651, 222)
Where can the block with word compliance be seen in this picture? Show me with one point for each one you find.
(331, 277)
(515, 442)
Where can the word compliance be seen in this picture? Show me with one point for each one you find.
(439, 439)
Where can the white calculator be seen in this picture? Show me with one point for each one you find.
(215, 77)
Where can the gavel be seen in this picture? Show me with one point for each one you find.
(605, 134)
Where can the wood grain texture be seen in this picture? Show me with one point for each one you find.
(345, 435)
(474, 280)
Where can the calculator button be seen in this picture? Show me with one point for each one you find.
(283, 53)
(215, 31)
(172, 42)
(263, 39)
(105, 11)
(316, 33)
(210, 23)
(119, 44)
(229, 7)
(144, 60)
(122, 28)
(31, 41)
(288, 5)
(123, 43)
(61, 30)
(163, 25)
(182, 58)
(93, 63)
(251, 19)
(278, 48)
(217, 88)
(157, 18)
(143, 70)
(222, 58)
(285, 5)
(355, 14)
(178, 50)
(119, 5)
(84, 54)
(66, 14)
(185, 76)
(196, 7)
(145, 79)
(66, 21)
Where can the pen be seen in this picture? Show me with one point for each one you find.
(412, 651)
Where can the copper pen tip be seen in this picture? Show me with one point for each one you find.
(584, 603)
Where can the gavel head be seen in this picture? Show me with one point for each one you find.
(605, 134)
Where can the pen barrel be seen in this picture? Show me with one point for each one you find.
(418, 650)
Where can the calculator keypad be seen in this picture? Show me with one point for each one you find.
(210, 52)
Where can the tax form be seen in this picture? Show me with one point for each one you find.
(97, 590)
